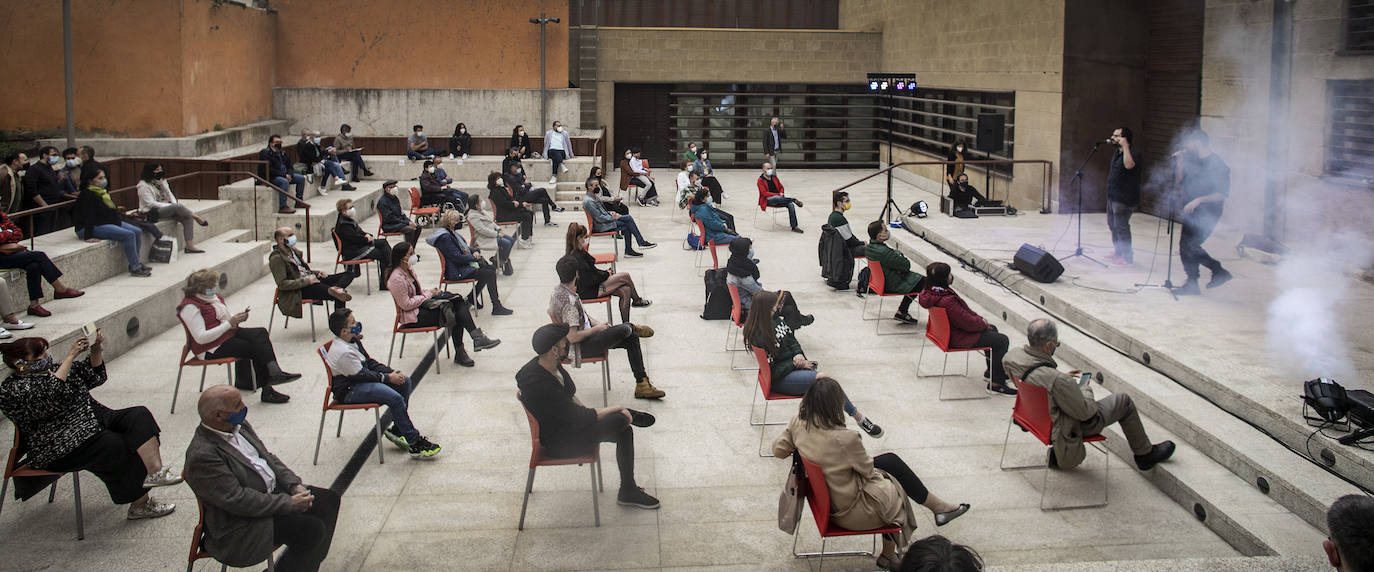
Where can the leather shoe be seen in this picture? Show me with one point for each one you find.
(270, 395)
(39, 311)
(69, 293)
(283, 377)
(1159, 452)
(641, 419)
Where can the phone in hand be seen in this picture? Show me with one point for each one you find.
(1084, 379)
(88, 330)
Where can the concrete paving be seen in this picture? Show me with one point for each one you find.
(459, 511)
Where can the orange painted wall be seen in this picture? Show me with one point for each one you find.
(227, 65)
(474, 44)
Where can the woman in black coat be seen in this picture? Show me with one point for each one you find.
(460, 143)
(508, 208)
(521, 140)
(354, 244)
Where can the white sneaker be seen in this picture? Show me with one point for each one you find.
(153, 509)
(323, 191)
(565, 167)
(525, 243)
(162, 478)
(19, 325)
(450, 155)
(310, 178)
(465, 155)
(5, 334)
(724, 195)
(553, 180)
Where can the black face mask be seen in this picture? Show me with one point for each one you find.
(158, 176)
(276, 146)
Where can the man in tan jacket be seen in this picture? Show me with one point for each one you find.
(1072, 409)
(296, 281)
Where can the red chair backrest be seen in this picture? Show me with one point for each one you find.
(765, 373)
(817, 495)
(1032, 410)
(701, 230)
(937, 327)
(328, 373)
(875, 276)
(534, 429)
(735, 311)
(197, 535)
(443, 266)
(414, 198)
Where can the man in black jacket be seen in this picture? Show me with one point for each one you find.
(772, 141)
(1123, 194)
(569, 429)
(41, 188)
(281, 175)
(355, 244)
(518, 182)
(434, 190)
(360, 379)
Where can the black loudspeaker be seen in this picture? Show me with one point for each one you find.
(992, 129)
(1041, 266)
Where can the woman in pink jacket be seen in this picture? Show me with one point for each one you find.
(411, 312)
(966, 328)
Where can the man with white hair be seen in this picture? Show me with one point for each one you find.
(772, 141)
(1072, 409)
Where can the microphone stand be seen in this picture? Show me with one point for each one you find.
(1172, 204)
(1077, 183)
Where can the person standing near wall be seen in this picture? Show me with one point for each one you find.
(1123, 194)
(772, 141)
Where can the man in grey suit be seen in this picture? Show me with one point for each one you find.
(253, 502)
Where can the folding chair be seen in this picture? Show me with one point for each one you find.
(187, 358)
(397, 328)
(361, 263)
(539, 459)
(1031, 413)
(736, 325)
(765, 378)
(198, 544)
(444, 282)
(381, 232)
(422, 215)
(613, 234)
(818, 498)
(285, 319)
(875, 284)
(937, 332)
(711, 246)
(331, 405)
(15, 468)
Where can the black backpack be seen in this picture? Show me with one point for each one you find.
(718, 304)
(861, 285)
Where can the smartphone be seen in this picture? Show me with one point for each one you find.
(1084, 379)
(88, 330)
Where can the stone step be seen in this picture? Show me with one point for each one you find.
(252, 135)
(323, 211)
(475, 168)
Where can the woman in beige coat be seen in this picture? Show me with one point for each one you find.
(865, 492)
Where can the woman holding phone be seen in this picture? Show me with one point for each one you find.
(215, 333)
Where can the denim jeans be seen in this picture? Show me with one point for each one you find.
(557, 156)
(626, 224)
(418, 155)
(791, 208)
(503, 246)
(798, 381)
(127, 235)
(335, 169)
(394, 397)
(356, 158)
(1119, 222)
(282, 183)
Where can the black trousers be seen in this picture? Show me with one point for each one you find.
(539, 197)
(358, 164)
(991, 338)
(616, 429)
(486, 278)
(112, 454)
(615, 207)
(320, 290)
(1196, 229)
(714, 187)
(37, 267)
(381, 253)
(307, 535)
(522, 216)
(618, 336)
(462, 321)
(893, 465)
(254, 349)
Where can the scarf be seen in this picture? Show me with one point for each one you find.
(104, 195)
(741, 266)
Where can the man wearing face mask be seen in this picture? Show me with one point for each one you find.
(311, 157)
(558, 148)
(771, 195)
(333, 168)
(417, 145)
(343, 142)
(70, 175)
(604, 220)
(393, 217)
(525, 192)
(435, 191)
(279, 171)
(965, 196)
(296, 281)
(1074, 413)
(360, 379)
(41, 188)
(251, 500)
(839, 204)
(354, 244)
(772, 141)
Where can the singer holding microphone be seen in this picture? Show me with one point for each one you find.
(1204, 181)
(1123, 194)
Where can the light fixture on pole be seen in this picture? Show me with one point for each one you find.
(543, 21)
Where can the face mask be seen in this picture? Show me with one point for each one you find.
(276, 146)
(74, 162)
(414, 259)
(356, 329)
(237, 418)
(345, 133)
(158, 176)
(847, 205)
(211, 293)
(770, 172)
(522, 134)
(558, 129)
(55, 160)
(629, 156)
(351, 212)
(316, 140)
(959, 148)
(430, 169)
(419, 133)
(102, 183)
(291, 240)
(41, 364)
(584, 243)
(703, 156)
(462, 130)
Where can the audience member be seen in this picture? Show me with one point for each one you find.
(310, 159)
(604, 220)
(487, 235)
(640, 176)
(839, 204)
(591, 338)
(215, 333)
(569, 429)
(702, 167)
(11, 184)
(1350, 525)
(343, 143)
(521, 141)
(593, 282)
(462, 262)
(67, 430)
(771, 195)
(614, 201)
(742, 271)
(417, 145)
(686, 185)
(95, 217)
(331, 163)
(460, 144)
(360, 379)
(354, 244)
(296, 281)
(37, 267)
(279, 171)
(434, 191)
(865, 492)
(558, 148)
(87, 155)
(156, 202)
(70, 175)
(512, 158)
(716, 229)
(897, 275)
(690, 155)
(1072, 410)
(966, 328)
(393, 218)
(772, 141)
(251, 502)
(509, 208)
(517, 182)
(420, 308)
(936, 553)
(41, 188)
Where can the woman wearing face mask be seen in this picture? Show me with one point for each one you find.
(94, 217)
(67, 430)
(487, 235)
(156, 202)
(354, 244)
(393, 217)
(558, 148)
(509, 208)
(460, 142)
(521, 140)
(642, 177)
(411, 310)
(296, 281)
(966, 328)
(614, 201)
(956, 157)
(713, 225)
(461, 262)
(215, 333)
(593, 282)
(742, 272)
(839, 203)
(702, 167)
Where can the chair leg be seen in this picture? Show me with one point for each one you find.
(435, 335)
(367, 280)
(1006, 441)
(76, 495)
(52, 492)
(529, 488)
(605, 379)
(286, 322)
(203, 369)
(600, 483)
(312, 323)
(176, 388)
(4, 488)
(270, 317)
(339, 432)
(320, 436)
(403, 346)
(1106, 484)
(596, 500)
(391, 351)
(377, 414)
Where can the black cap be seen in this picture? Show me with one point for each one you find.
(547, 336)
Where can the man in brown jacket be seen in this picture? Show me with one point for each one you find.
(251, 501)
(1072, 409)
(296, 281)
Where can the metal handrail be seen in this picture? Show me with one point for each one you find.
(1045, 183)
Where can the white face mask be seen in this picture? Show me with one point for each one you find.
(430, 169)
(291, 241)
(558, 129)
(316, 140)
(959, 148)
(770, 172)
(414, 259)
(419, 133)
(462, 131)
(351, 212)
(522, 134)
(629, 155)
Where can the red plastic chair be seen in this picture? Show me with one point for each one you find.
(708, 245)
(937, 332)
(189, 359)
(381, 232)
(613, 234)
(444, 282)
(765, 378)
(331, 405)
(601, 359)
(735, 326)
(397, 328)
(14, 468)
(285, 319)
(876, 282)
(818, 498)
(539, 459)
(417, 212)
(1031, 413)
(361, 262)
(198, 543)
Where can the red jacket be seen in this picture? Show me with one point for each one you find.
(9, 232)
(964, 324)
(764, 194)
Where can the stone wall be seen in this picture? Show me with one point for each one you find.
(394, 111)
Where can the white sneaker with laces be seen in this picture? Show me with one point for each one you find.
(18, 325)
(5, 334)
(565, 167)
(553, 180)
(162, 478)
(152, 509)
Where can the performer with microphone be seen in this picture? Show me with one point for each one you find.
(1123, 194)
(1205, 181)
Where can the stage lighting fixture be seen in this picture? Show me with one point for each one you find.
(901, 85)
(883, 86)
(921, 209)
(911, 86)
(873, 86)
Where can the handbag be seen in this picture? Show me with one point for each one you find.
(162, 251)
(791, 498)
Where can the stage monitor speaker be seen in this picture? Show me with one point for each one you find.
(992, 129)
(1039, 265)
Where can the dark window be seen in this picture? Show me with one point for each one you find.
(931, 119)
(1350, 150)
(1359, 26)
(769, 14)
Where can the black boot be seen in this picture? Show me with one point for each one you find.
(480, 341)
(460, 356)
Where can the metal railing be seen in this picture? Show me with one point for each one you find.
(1046, 179)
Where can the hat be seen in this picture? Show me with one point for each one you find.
(389, 183)
(547, 336)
